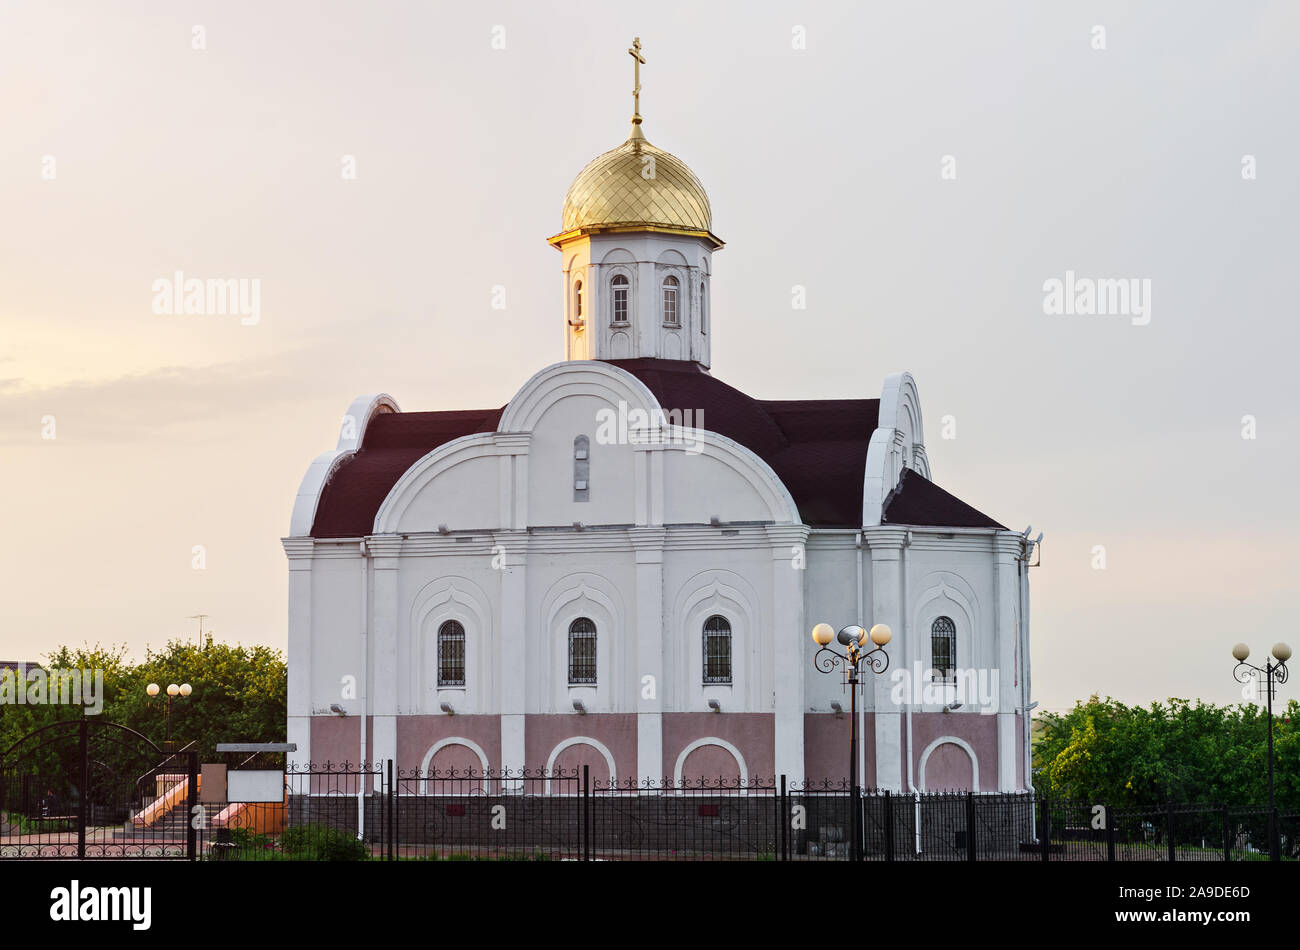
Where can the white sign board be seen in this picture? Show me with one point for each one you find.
(255, 785)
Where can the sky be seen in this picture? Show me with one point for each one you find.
(922, 171)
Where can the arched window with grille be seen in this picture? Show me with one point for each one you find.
(582, 652)
(451, 654)
(577, 302)
(671, 316)
(618, 299)
(943, 649)
(704, 306)
(717, 650)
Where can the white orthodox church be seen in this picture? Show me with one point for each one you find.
(620, 567)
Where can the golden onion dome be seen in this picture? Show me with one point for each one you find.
(636, 187)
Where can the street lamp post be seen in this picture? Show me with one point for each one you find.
(183, 690)
(854, 639)
(1274, 671)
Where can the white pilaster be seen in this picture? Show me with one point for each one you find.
(885, 545)
(649, 545)
(299, 552)
(1006, 593)
(788, 652)
(386, 553)
(513, 654)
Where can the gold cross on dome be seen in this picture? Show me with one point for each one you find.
(637, 61)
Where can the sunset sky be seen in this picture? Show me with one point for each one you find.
(823, 168)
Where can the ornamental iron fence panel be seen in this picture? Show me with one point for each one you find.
(373, 811)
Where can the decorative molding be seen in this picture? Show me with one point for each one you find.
(442, 599)
(898, 429)
(385, 546)
(298, 549)
(722, 592)
(708, 741)
(574, 377)
(581, 740)
(441, 744)
(361, 410)
(960, 743)
(585, 594)
(426, 470)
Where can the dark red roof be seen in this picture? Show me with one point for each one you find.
(919, 501)
(817, 447)
(393, 442)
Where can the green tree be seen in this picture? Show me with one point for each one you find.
(1105, 751)
(239, 694)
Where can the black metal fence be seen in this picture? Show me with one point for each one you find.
(87, 789)
(341, 811)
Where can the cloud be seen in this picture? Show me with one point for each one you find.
(176, 401)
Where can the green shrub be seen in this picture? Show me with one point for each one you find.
(322, 843)
(25, 825)
(244, 839)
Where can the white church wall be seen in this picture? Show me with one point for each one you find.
(335, 656)
(564, 584)
(831, 579)
(697, 584)
(951, 577)
(611, 470)
(919, 574)
(435, 590)
(461, 492)
(705, 485)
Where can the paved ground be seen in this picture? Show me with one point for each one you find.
(100, 842)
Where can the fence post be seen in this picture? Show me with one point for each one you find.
(1274, 838)
(1169, 826)
(970, 826)
(776, 821)
(1045, 834)
(192, 803)
(889, 826)
(855, 822)
(1110, 833)
(785, 822)
(585, 842)
(1227, 841)
(83, 796)
(392, 814)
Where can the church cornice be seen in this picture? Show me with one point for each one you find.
(564, 539)
(786, 534)
(565, 237)
(298, 549)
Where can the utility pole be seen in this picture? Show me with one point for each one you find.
(200, 618)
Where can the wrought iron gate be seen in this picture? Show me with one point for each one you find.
(86, 789)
